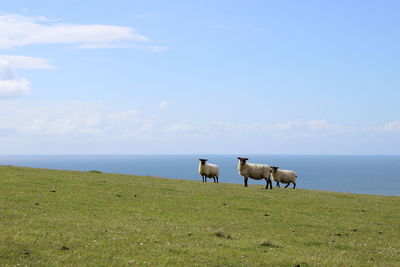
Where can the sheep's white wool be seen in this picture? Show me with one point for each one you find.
(284, 176)
(209, 170)
(254, 171)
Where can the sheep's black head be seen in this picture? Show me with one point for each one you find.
(203, 161)
(242, 160)
(274, 168)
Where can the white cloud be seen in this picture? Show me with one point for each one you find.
(128, 114)
(290, 129)
(17, 30)
(89, 127)
(324, 125)
(156, 48)
(163, 104)
(183, 127)
(71, 119)
(107, 46)
(288, 125)
(145, 48)
(95, 120)
(24, 62)
(10, 86)
(392, 126)
(13, 88)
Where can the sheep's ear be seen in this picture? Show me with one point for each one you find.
(246, 158)
(205, 159)
(239, 157)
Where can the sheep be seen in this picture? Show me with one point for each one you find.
(208, 170)
(254, 171)
(283, 176)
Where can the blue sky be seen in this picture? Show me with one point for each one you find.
(172, 77)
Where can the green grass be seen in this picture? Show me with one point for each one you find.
(66, 218)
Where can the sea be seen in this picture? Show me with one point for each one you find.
(378, 175)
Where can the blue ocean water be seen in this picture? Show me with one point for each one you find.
(378, 175)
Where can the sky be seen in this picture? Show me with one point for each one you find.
(199, 77)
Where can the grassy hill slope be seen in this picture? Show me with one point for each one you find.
(59, 218)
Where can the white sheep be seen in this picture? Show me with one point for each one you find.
(254, 171)
(283, 176)
(208, 170)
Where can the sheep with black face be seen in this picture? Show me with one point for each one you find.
(283, 176)
(254, 171)
(208, 170)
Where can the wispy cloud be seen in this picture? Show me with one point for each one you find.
(24, 62)
(17, 30)
(163, 104)
(70, 118)
(96, 119)
(145, 48)
(392, 126)
(14, 88)
(11, 86)
(155, 48)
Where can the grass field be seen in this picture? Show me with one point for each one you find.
(66, 218)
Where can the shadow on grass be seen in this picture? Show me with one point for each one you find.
(222, 234)
(269, 244)
(95, 171)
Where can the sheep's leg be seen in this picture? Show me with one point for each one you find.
(214, 178)
(278, 185)
(217, 179)
(269, 182)
(203, 178)
(294, 185)
(245, 181)
(287, 185)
